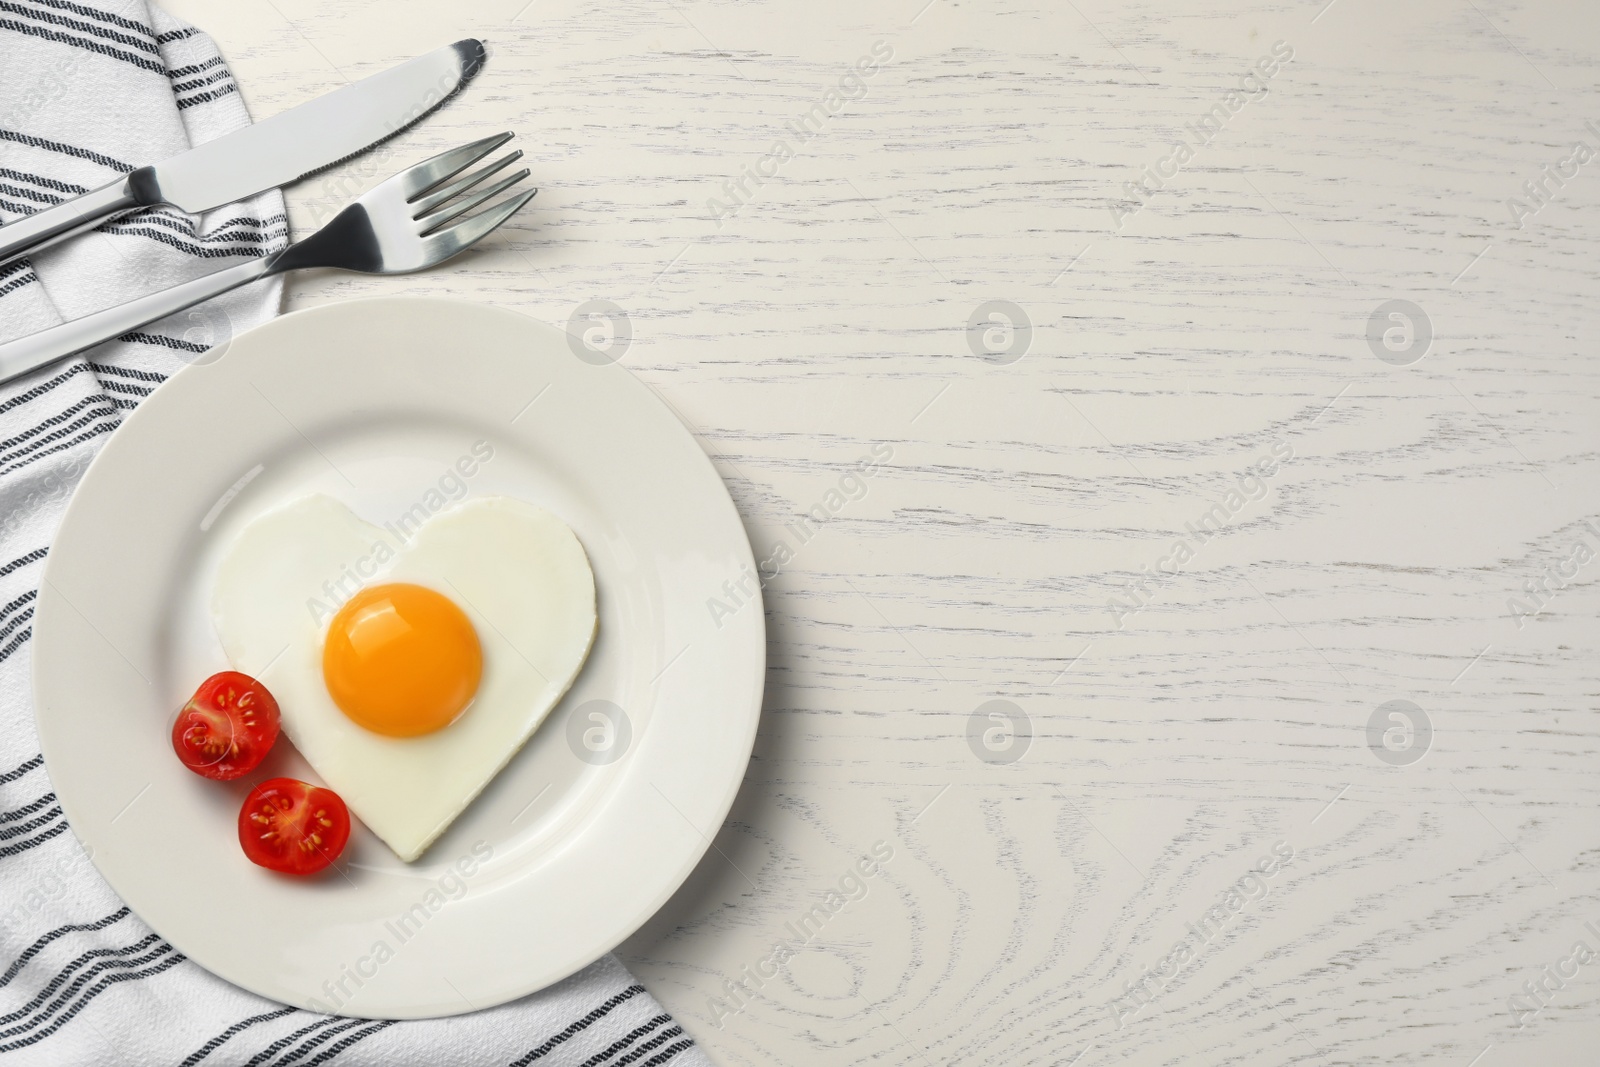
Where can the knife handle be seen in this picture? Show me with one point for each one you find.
(45, 228)
(47, 346)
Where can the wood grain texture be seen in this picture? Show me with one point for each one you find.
(1230, 314)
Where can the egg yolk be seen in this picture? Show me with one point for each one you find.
(401, 660)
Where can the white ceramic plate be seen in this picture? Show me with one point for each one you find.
(374, 402)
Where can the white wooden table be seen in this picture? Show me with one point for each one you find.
(1047, 862)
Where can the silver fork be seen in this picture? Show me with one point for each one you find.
(411, 221)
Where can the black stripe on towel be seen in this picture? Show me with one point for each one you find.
(579, 1026)
(60, 931)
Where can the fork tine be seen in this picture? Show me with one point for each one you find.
(426, 203)
(436, 222)
(445, 165)
(446, 243)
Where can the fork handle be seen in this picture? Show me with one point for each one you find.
(47, 346)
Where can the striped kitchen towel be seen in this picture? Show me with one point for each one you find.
(88, 91)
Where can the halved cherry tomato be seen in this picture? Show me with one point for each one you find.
(227, 728)
(293, 826)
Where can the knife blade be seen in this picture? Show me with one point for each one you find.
(291, 145)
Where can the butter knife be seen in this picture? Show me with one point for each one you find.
(276, 151)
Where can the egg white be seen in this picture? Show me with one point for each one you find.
(518, 572)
